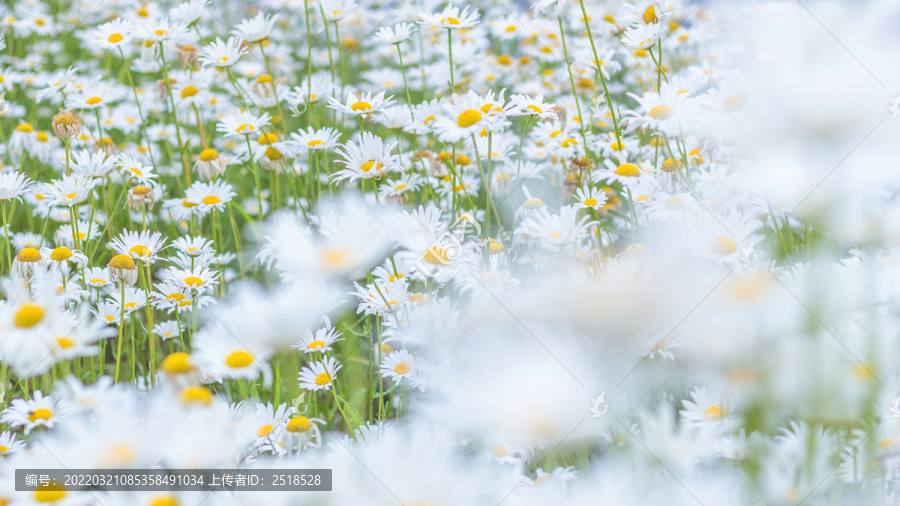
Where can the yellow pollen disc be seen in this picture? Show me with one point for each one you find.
(366, 167)
(49, 494)
(238, 359)
(71, 195)
(315, 142)
(223, 59)
(463, 160)
(510, 28)
(245, 126)
(468, 118)
(60, 254)
(64, 342)
(264, 431)
(429, 119)
(196, 395)
(504, 60)
(28, 315)
(733, 103)
(122, 262)
(399, 187)
(140, 250)
(862, 372)
(662, 112)
(42, 136)
(628, 170)
(669, 165)
(165, 500)
(649, 16)
(94, 100)
(533, 203)
(177, 363)
(267, 139)
(28, 255)
(141, 190)
(401, 368)
(298, 424)
(193, 281)
(175, 296)
(336, 13)
(265, 78)
(891, 441)
(555, 235)
(130, 305)
(498, 451)
(316, 345)
(323, 379)
(98, 281)
(159, 33)
(25, 127)
(590, 202)
(535, 109)
(450, 21)
(569, 142)
(438, 256)
(715, 413)
(188, 91)
(40, 414)
(360, 106)
(496, 248)
(208, 155)
(211, 200)
(675, 202)
(334, 258)
(723, 245)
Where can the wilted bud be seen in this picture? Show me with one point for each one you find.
(210, 164)
(264, 89)
(27, 261)
(122, 268)
(187, 56)
(141, 196)
(163, 86)
(66, 125)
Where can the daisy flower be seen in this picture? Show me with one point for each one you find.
(642, 36)
(39, 411)
(255, 29)
(9, 444)
(168, 329)
(369, 159)
(590, 197)
(401, 365)
(193, 246)
(95, 165)
(463, 116)
(407, 182)
(241, 122)
(319, 375)
(209, 196)
(223, 54)
(336, 10)
(12, 185)
(162, 30)
(363, 105)
(137, 172)
(69, 191)
(623, 172)
(199, 278)
(115, 34)
(706, 409)
(93, 96)
(662, 111)
(451, 18)
(218, 353)
(523, 105)
(396, 34)
(144, 245)
(316, 140)
(320, 342)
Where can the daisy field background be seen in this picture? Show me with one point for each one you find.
(569, 252)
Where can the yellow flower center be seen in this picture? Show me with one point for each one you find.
(314, 345)
(733, 103)
(140, 250)
(28, 255)
(401, 368)
(188, 91)
(323, 379)
(590, 202)
(299, 424)
(50, 493)
(211, 200)
(662, 111)
(264, 431)
(116, 37)
(196, 395)
(28, 315)
(177, 363)
(315, 142)
(40, 414)
(650, 15)
(245, 126)
(498, 450)
(437, 255)
(60, 254)
(267, 139)
(715, 413)
(450, 21)
(94, 100)
(193, 281)
(166, 500)
(141, 190)
(535, 109)
(533, 203)
(468, 118)
(208, 155)
(366, 167)
(723, 245)
(361, 106)
(628, 170)
(238, 359)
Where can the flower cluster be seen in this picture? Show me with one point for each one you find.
(576, 252)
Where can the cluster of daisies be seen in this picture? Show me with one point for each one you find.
(557, 253)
